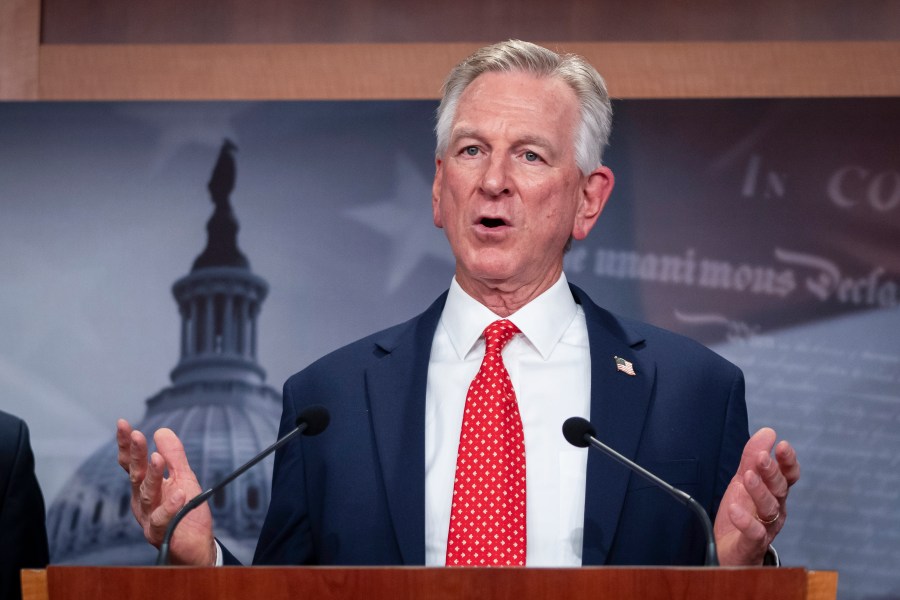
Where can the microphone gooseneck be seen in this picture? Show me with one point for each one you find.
(579, 432)
(312, 421)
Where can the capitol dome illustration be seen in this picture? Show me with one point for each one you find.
(218, 404)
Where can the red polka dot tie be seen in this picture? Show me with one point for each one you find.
(487, 520)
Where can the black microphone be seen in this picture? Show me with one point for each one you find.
(579, 432)
(312, 421)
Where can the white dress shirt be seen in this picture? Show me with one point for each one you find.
(549, 365)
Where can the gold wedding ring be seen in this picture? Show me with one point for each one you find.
(769, 521)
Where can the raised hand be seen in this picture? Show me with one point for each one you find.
(754, 507)
(155, 498)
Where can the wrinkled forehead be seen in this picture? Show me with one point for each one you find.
(530, 104)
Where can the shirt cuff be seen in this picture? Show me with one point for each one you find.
(771, 558)
(220, 561)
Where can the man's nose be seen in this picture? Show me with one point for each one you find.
(496, 179)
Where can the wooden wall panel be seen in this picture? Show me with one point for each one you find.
(19, 34)
(645, 48)
(415, 21)
(415, 71)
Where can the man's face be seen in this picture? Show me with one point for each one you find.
(507, 191)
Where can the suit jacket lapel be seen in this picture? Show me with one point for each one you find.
(619, 404)
(395, 385)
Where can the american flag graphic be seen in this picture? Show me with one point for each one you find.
(624, 366)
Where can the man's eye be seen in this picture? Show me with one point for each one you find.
(471, 150)
(531, 156)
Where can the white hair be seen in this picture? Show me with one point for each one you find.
(593, 131)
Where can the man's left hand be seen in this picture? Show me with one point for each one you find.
(753, 509)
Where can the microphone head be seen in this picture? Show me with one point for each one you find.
(315, 418)
(577, 431)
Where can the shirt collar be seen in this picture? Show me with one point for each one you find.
(543, 321)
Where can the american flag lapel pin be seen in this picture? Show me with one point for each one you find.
(624, 366)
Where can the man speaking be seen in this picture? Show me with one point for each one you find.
(445, 446)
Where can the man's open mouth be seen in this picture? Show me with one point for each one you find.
(488, 222)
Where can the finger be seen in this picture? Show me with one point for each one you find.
(751, 543)
(767, 506)
(761, 441)
(769, 470)
(787, 462)
(137, 459)
(123, 440)
(172, 450)
(151, 487)
(160, 517)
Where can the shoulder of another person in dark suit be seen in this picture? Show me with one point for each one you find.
(12, 430)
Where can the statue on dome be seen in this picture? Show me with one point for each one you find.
(222, 227)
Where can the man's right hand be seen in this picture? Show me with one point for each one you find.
(155, 499)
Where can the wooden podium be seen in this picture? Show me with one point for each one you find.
(402, 583)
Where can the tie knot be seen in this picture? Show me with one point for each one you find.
(497, 334)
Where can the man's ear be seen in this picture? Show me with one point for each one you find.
(436, 193)
(596, 191)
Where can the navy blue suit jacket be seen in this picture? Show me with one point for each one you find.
(355, 495)
(23, 533)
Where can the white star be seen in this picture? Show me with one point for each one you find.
(405, 220)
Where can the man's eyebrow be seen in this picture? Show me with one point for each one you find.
(464, 132)
(535, 140)
(526, 140)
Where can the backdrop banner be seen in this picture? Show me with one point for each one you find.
(766, 229)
